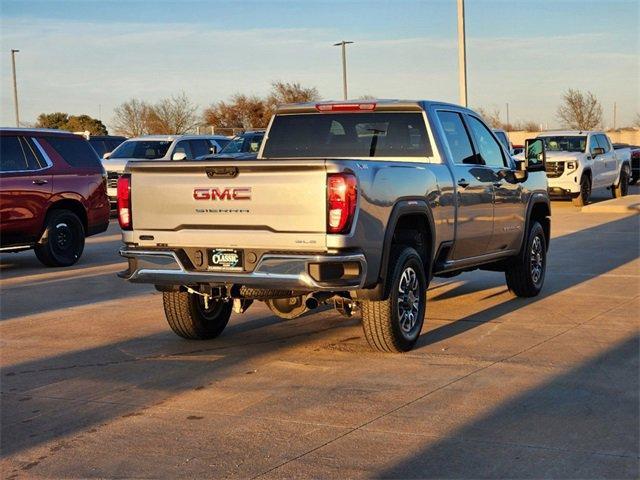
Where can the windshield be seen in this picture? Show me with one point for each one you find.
(244, 144)
(360, 135)
(147, 149)
(565, 143)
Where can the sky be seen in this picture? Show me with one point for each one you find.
(87, 57)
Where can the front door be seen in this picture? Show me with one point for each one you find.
(508, 211)
(474, 189)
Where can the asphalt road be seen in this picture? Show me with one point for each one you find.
(94, 384)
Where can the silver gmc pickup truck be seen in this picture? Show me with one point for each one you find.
(357, 205)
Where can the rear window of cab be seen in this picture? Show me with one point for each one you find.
(360, 135)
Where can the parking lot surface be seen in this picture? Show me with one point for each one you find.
(94, 384)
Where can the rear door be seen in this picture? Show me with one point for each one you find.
(25, 189)
(610, 160)
(278, 205)
(474, 189)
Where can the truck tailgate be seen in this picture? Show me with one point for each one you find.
(259, 204)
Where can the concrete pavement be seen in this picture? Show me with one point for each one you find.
(94, 384)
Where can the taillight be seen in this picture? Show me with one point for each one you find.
(345, 107)
(124, 202)
(342, 196)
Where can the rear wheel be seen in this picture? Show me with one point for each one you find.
(525, 275)
(191, 317)
(62, 241)
(582, 198)
(394, 324)
(622, 189)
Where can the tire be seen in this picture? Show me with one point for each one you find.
(62, 241)
(188, 317)
(394, 324)
(622, 189)
(287, 308)
(525, 274)
(585, 192)
(633, 180)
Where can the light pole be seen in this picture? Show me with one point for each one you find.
(344, 65)
(462, 55)
(15, 85)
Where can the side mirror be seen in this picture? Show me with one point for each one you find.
(213, 149)
(179, 156)
(535, 157)
(106, 155)
(597, 151)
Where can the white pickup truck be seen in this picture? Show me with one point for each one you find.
(579, 161)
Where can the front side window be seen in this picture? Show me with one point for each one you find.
(142, 149)
(603, 142)
(489, 148)
(593, 143)
(200, 148)
(457, 137)
(345, 135)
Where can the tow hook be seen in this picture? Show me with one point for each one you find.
(344, 306)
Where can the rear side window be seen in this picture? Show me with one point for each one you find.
(503, 139)
(76, 152)
(457, 138)
(361, 135)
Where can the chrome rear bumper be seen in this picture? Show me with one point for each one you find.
(291, 272)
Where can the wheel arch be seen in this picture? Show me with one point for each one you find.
(407, 216)
(539, 209)
(74, 206)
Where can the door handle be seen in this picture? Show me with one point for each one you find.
(39, 181)
(463, 183)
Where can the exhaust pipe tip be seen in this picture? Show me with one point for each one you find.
(311, 303)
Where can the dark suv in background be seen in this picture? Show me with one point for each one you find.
(103, 144)
(52, 194)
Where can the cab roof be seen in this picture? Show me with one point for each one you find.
(368, 105)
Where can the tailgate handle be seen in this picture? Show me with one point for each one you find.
(216, 172)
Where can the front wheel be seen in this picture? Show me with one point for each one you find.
(525, 274)
(189, 316)
(582, 198)
(394, 324)
(622, 189)
(62, 241)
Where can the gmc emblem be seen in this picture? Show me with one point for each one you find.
(228, 193)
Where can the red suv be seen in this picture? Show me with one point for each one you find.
(53, 194)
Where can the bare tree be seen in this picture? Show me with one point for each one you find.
(492, 118)
(175, 115)
(241, 111)
(580, 111)
(282, 92)
(254, 112)
(131, 118)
